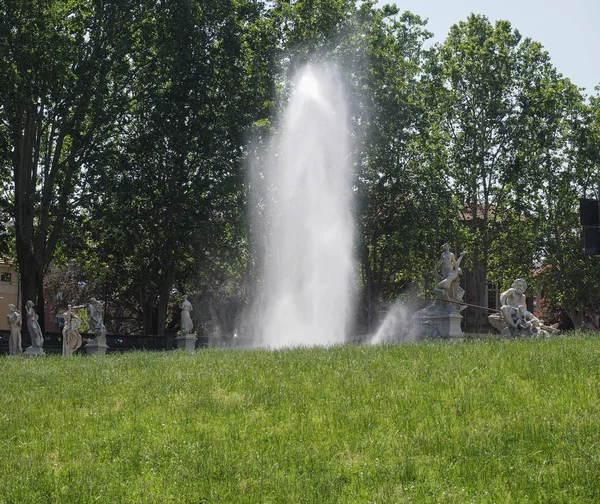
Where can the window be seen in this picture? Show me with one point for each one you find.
(5, 276)
(493, 293)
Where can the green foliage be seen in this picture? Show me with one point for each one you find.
(60, 86)
(569, 170)
(501, 112)
(400, 203)
(493, 421)
(169, 202)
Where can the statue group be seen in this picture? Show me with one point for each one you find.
(71, 337)
(442, 317)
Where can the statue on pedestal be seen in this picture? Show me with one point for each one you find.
(14, 323)
(448, 287)
(186, 317)
(98, 345)
(442, 318)
(186, 340)
(95, 321)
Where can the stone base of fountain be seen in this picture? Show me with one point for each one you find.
(442, 325)
(186, 342)
(441, 319)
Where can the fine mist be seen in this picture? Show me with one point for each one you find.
(306, 219)
(397, 326)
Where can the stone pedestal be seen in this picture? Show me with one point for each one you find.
(186, 342)
(96, 348)
(444, 325)
(33, 352)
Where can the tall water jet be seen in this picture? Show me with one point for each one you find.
(307, 219)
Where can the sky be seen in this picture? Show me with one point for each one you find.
(568, 29)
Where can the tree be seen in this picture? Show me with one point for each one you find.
(60, 77)
(570, 277)
(170, 202)
(496, 107)
(403, 205)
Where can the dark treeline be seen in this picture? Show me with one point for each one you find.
(125, 127)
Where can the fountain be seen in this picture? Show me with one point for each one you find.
(307, 220)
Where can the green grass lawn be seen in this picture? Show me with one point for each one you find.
(479, 421)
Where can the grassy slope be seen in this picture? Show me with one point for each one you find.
(494, 421)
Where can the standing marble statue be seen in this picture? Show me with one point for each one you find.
(186, 340)
(98, 345)
(448, 287)
(71, 337)
(95, 321)
(14, 323)
(35, 331)
(186, 317)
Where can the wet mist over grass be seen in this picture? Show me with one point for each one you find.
(480, 421)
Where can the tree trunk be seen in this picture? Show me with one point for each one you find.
(480, 284)
(576, 316)
(162, 306)
(147, 304)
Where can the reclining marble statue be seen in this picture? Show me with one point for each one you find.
(514, 319)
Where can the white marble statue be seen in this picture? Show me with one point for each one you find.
(527, 323)
(442, 317)
(95, 321)
(514, 319)
(511, 300)
(71, 337)
(14, 323)
(35, 331)
(186, 318)
(448, 287)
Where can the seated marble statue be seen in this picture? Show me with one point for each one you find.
(514, 318)
(511, 300)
